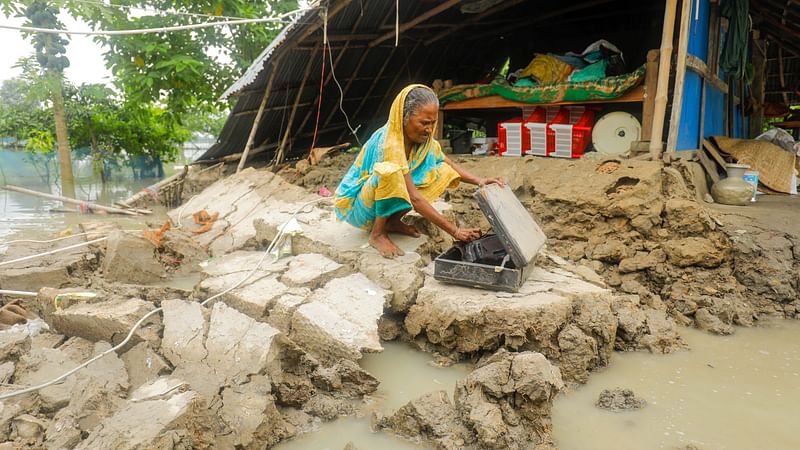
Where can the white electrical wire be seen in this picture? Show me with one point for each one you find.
(34, 241)
(52, 252)
(333, 73)
(157, 310)
(111, 6)
(18, 293)
(278, 18)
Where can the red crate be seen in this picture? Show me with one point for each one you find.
(561, 118)
(571, 140)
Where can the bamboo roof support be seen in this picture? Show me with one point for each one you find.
(281, 149)
(680, 76)
(663, 80)
(264, 99)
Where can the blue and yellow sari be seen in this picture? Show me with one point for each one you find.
(375, 185)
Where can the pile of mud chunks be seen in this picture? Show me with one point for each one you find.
(193, 377)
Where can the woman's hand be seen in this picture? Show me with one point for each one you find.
(492, 180)
(467, 234)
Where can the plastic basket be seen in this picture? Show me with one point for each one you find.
(512, 138)
(538, 125)
(571, 140)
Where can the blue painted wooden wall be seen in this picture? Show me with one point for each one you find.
(714, 121)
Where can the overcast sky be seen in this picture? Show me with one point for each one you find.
(85, 56)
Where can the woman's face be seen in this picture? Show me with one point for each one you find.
(420, 125)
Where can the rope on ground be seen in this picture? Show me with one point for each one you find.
(157, 310)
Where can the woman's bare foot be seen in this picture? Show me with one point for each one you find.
(397, 226)
(385, 246)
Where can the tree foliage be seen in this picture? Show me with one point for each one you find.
(185, 70)
(164, 84)
(101, 122)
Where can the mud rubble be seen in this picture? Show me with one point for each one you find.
(630, 258)
(619, 400)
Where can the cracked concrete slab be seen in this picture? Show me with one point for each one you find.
(224, 349)
(461, 320)
(130, 258)
(107, 321)
(157, 418)
(143, 364)
(311, 270)
(256, 295)
(340, 320)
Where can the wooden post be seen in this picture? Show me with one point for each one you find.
(95, 206)
(257, 119)
(282, 147)
(758, 87)
(663, 80)
(650, 86)
(680, 76)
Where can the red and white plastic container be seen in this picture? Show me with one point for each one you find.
(512, 137)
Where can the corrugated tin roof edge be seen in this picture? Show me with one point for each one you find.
(258, 65)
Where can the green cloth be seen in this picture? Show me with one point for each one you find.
(734, 53)
(604, 89)
(592, 72)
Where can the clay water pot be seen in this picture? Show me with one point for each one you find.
(733, 190)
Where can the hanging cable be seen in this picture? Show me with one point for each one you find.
(333, 74)
(278, 18)
(111, 6)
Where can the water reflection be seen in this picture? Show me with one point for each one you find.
(34, 215)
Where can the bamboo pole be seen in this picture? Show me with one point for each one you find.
(95, 206)
(152, 188)
(261, 107)
(680, 76)
(663, 79)
(282, 147)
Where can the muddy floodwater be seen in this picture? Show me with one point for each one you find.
(405, 374)
(22, 213)
(737, 392)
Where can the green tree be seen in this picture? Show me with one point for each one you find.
(116, 131)
(180, 75)
(50, 54)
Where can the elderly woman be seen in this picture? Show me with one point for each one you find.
(399, 168)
